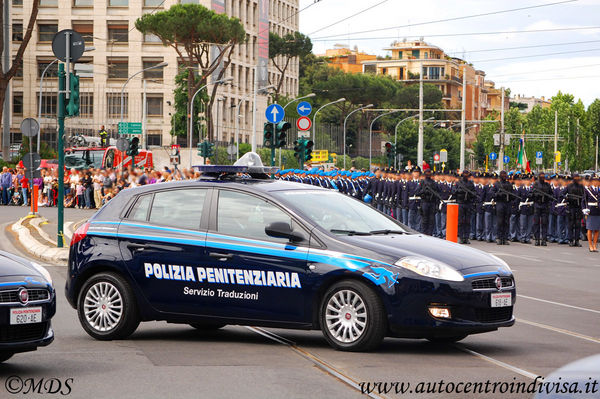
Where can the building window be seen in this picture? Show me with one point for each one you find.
(17, 32)
(156, 73)
(46, 32)
(426, 55)
(154, 139)
(17, 2)
(118, 32)
(19, 73)
(154, 105)
(48, 3)
(86, 105)
(416, 54)
(118, 68)
(83, 3)
(118, 3)
(17, 103)
(399, 55)
(153, 3)
(86, 29)
(113, 104)
(52, 72)
(49, 104)
(189, 1)
(150, 38)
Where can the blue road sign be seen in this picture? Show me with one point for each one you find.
(538, 154)
(493, 156)
(506, 159)
(304, 108)
(274, 113)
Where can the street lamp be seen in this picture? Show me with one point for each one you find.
(220, 81)
(299, 98)
(371, 133)
(161, 65)
(345, 119)
(315, 119)
(238, 116)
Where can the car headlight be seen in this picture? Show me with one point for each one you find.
(501, 261)
(429, 268)
(42, 270)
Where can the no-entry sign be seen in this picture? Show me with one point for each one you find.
(303, 123)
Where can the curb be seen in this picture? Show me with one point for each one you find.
(34, 247)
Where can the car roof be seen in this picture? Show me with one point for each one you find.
(266, 185)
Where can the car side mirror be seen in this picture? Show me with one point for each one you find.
(283, 230)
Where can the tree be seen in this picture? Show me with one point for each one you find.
(282, 50)
(193, 30)
(5, 77)
(179, 120)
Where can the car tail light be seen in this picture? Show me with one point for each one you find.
(80, 233)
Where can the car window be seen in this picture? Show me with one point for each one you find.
(178, 208)
(139, 211)
(245, 215)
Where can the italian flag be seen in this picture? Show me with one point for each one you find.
(522, 161)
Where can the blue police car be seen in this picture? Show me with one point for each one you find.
(27, 304)
(235, 248)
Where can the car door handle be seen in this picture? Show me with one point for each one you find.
(137, 247)
(220, 256)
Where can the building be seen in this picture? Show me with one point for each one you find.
(121, 51)
(341, 57)
(527, 103)
(494, 96)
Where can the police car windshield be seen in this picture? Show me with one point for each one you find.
(340, 214)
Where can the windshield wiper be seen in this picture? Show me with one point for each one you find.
(350, 232)
(387, 232)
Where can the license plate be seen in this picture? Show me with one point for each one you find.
(26, 315)
(501, 299)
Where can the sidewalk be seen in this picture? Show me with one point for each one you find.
(38, 234)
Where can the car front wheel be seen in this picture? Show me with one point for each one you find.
(352, 317)
(107, 308)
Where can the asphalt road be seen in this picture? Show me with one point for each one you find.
(558, 321)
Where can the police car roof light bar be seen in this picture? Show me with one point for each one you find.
(228, 171)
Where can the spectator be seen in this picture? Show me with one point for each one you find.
(43, 201)
(70, 200)
(88, 189)
(80, 192)
(98, 180)
(5, 185)
(24, 186)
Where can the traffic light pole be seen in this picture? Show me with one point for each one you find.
(273, 144)
(61, 153)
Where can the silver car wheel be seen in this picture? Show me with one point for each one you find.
(346, 316)
(103, 306)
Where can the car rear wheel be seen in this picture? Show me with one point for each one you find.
(207, 326)
(352, 317)
(107, 308)
(446, 340)
(4, 356)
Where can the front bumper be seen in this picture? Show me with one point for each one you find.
(470, 309)
(27, 337)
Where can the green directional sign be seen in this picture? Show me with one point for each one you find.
(130, 127)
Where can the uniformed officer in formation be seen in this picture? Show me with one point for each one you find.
(502, 208)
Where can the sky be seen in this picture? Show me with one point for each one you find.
(532, 69)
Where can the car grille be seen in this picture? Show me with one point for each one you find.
(490, 283)
(22, 333)
(35, 294)
(493, 315)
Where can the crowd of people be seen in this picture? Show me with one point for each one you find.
(88, 189)
(517, 207)
(504, 207)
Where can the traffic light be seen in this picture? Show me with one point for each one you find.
(206, 149)
(308, 151)
(72, 106)
(299, 149)
(280, 131)
(390, 152)
(133, 149)
(268, 138)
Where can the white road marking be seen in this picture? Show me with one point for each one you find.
(558, 303)
(313, 359)
(561, 331)
(507, 366)
(527, 258)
